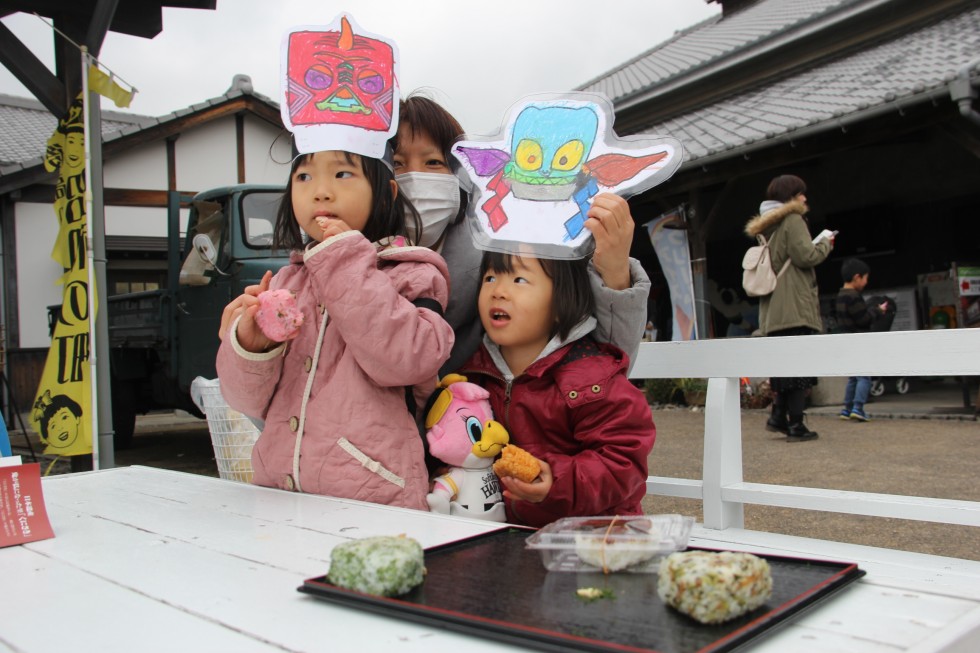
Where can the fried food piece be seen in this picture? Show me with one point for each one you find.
(518, 463)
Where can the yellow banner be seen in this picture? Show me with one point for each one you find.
(104, 85)
(63, 404)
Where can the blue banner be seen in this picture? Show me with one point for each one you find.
(674, 253)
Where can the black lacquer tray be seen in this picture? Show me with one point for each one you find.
(490, 586)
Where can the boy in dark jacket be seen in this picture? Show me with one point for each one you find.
(854, 316)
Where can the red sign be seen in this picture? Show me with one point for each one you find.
(23, 517)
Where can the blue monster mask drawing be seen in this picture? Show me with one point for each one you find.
(548, 147)
(533, 182)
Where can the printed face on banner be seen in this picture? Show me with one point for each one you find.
(67, 144)
(533, 182)
(342, 80)
(62, 428)
(58, 421)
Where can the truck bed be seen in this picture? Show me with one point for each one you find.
(140, 319)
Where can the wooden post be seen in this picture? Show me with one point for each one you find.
(722, 455)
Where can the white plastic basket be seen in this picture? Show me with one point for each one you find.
(232, 434)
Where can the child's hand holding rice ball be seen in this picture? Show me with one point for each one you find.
(276, 320)
(265, 318)
(278, 317)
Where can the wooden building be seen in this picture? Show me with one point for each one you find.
(236, 137)
(871, 102)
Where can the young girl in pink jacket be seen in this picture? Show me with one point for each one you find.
(333, 397)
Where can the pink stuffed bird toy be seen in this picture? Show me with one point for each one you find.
(462, 433)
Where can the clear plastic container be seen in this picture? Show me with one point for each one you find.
(633, 544)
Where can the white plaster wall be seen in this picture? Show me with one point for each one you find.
(138, 221)
(37, 272)
(142, 168)
(267, 152)
(206, 156)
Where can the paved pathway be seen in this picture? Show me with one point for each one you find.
(924, 457)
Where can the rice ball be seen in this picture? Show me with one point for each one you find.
(382, 566)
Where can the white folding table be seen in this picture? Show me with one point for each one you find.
(147, 559)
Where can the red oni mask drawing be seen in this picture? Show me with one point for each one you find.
(340, 78)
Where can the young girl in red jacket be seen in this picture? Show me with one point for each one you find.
(563, 397)
(333, 396)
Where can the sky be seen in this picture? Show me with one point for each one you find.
(474, 60)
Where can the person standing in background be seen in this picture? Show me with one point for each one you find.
(854, 316)
(793, 308)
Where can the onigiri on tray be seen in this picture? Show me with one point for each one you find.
(634, 543)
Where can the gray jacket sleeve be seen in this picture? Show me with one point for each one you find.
(622, 314)
(463, 260)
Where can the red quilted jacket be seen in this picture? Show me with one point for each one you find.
(577, 410)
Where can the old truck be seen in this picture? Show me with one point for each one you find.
(160, 340)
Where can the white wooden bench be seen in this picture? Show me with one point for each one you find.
(722, 490)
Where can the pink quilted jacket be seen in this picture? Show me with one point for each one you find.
(362, 342)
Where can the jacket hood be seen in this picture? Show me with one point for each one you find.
(582, 329)
(761, 223)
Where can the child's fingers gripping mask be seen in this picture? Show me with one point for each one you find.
(436, 197)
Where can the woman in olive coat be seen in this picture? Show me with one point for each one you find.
(793, 308)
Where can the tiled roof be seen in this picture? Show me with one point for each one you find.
(710, 41)
(912, 68)
(26, 125)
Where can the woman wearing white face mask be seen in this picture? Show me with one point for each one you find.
(426, 133)
(436, 197)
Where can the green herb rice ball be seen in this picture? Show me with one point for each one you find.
(383, 566)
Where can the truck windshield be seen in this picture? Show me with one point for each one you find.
(259, 218)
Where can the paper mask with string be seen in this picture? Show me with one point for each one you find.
(531, 184)
(339, 88)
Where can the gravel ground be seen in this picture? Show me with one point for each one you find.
(923, 457)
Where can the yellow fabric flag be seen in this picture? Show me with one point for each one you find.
(104, 85)
(63, 403)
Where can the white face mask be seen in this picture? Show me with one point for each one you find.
(436, 197)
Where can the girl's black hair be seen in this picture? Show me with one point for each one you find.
(57, 403)
(784, 188)
(388, 214)
(572, 300)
